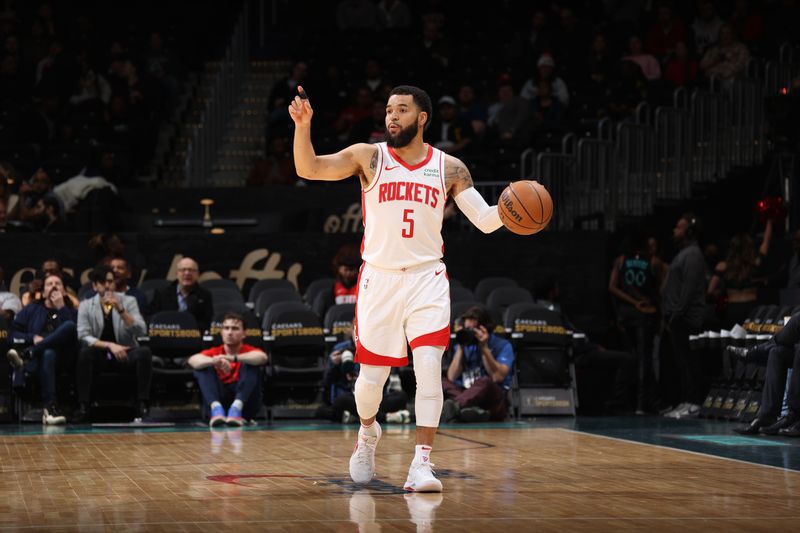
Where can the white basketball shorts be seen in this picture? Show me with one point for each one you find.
(395, 308)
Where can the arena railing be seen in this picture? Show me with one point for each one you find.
(225, 89)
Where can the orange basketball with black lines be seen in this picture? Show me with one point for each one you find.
(525, 207)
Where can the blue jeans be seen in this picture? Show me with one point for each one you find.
(247, 389)
(62, 340)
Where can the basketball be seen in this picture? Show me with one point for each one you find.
(525, 207)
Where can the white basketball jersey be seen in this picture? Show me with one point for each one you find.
(403, 210)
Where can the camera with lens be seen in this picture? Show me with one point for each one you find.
(466, 336)
(348, 362)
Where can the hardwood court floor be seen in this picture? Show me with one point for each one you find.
(521, 477)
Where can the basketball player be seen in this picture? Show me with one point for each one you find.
(403, 292)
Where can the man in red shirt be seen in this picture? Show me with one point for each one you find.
(230, 371)
(346, 264)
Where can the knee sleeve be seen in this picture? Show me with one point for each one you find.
(428, 370)
(369, 389)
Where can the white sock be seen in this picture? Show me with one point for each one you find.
(422, 453)
(215, 404)
(370, 430)
(237, 404)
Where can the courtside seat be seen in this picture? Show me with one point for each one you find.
(317, 286)
(461, 294)
(267, 284)
(485, 286)
(338, 323)
(150, 286)
(269, 297)
(502, 297)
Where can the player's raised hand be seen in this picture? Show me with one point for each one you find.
(300, 108)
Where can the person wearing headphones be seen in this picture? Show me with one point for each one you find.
(683, 305)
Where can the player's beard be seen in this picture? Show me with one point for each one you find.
(403, 137)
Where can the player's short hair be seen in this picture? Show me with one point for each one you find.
(421, 98)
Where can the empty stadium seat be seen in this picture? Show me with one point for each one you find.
(213, 284)
(271, 296)
(317, 286)
(485, 286)
(461, 294)
(338, 322)
(502, 297)
(267, 284)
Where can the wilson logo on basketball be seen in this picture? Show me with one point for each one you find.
(509, 205)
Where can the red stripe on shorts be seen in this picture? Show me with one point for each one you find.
(437, 338)
(364, 356)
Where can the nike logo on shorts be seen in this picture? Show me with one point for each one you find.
(439, 272)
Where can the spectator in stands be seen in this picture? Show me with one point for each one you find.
(359, 108)
(471, 109)
(50, 266)
(665, 33)
(706, 26)
(546, 71)
(108, 326)
(371, 129)
(682, 68)
(628, 90)
(736, 280)
(30, 192)
(186, 294)
(510, 117)
(433, 53)
(340, 401)
(282, 93)
(683, 309)
(277, 168)
(794, 263)
(570, 42)
(600, 67)
(538, 36)
(747, 22)
(374, 78)
(122, 277)
(9, 302)
(547, 109)
(346, 263)
(635, 285)
(479, 375)
(229, 375)
(727, 59)
(448, 131)
(649, 64)
(394, 14)
(48, 326)
(781, 353)
(46, 216)
(92, 91)
(358, 15)
(105, 246)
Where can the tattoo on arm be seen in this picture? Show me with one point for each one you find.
(373, 163)
(457, 177)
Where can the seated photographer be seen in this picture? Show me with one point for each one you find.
(229, 374)
(479, 374)
(340, 401)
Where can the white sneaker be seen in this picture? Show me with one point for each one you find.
(399, 417)
(362, 462)
(421, 478)
(691, 410)
(51, 416)
(675, 411)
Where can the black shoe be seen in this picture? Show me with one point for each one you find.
(788, 420)
(791, 431)
(450, 411)
(18, 358)
(81, 414)
(474, 414)
(756, 353)
(753, 427)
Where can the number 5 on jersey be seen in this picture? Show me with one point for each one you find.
(408, 232)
